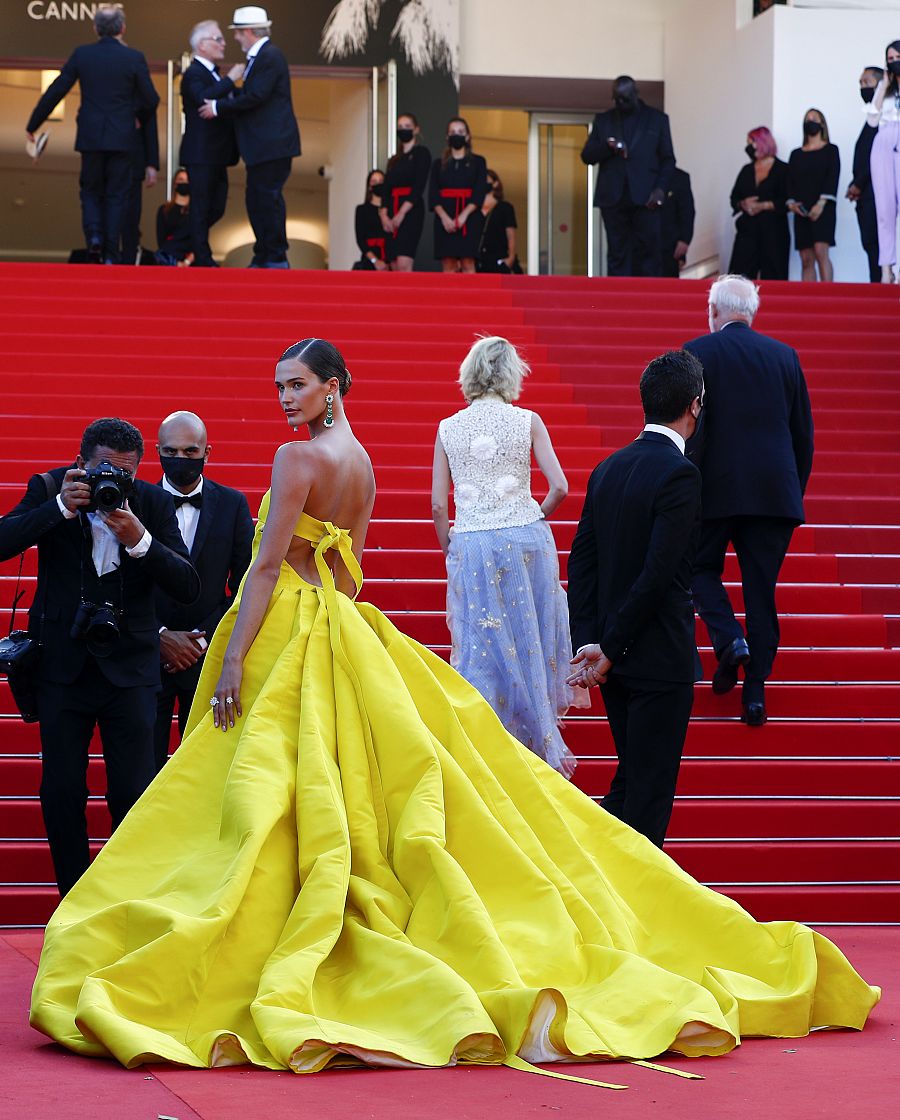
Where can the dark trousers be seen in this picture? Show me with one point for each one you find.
(867, 220)
(68, 715)
(762, 246)
(633, 239)
(266, 210)
(761, 544)
(671, 266)
(176, 688)
(105, 182)
(649, 721)
(209, 195)
(131, 223)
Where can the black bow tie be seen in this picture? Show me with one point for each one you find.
(195, 500)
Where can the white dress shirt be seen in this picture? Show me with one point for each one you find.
(186, 515)
(664, 431)
(105, 544)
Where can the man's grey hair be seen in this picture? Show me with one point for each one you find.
(735, 295)
(203, 30)
(109, 19)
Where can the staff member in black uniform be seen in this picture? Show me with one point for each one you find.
(402, 209)
(174, 232)
(456, 191)
(762, 240)
(370, 235)
(497, 251)
(677, 223)
(813, 174)
(860, 189)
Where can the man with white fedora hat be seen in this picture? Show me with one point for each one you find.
(266, 128)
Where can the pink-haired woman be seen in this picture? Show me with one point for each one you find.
(762, 241)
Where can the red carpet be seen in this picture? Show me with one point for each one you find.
(832, 1075)
(798, 819)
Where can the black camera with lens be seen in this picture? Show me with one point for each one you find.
(98, 625)
(110, 487)
(18, 659)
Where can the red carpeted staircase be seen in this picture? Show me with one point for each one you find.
(800, 818)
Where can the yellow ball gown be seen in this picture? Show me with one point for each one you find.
(369, 867)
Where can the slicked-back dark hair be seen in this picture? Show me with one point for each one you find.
(669, 384)
(112, 432)
(324, 359)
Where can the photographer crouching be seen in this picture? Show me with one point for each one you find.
(105, 541)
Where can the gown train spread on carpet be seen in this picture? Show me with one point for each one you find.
(369, 867)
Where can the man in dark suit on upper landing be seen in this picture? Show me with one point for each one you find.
(99, 669)
(116, 93)
(754, 449)
(630, 605)
(677, 223)
(860, 190)
(209, 147)
(267, 133)
(632, 144)
(215, 523)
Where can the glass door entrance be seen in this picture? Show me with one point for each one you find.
(563, 226)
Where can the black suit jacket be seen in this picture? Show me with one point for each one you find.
(64, 550)
(630, 564)
(220, 553)
(754, 443)
(262, 109)
(210, 143)
(862, 159)
(115, 89)
(650, 161)
(678, 211)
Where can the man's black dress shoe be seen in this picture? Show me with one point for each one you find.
(95, 252)
(754, 715)
(726, 674)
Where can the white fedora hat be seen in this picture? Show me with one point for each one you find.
(250, 16)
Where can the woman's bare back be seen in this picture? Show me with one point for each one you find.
(342, 492)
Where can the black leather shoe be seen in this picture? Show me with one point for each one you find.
(95, 253)
(726, 674)
(754, 715)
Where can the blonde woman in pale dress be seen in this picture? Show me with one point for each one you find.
(508, 617)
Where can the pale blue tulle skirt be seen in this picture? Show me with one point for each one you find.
(509, 625)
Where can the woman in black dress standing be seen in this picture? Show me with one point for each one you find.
(457, 190)
(762, 240)
(813, 174)
(403, 209)
(370, 235)
(497, 251)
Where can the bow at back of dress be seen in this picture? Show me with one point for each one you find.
(324, 536)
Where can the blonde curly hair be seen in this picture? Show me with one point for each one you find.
(493, 367)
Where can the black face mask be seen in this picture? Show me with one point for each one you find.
(626, 103)
(377, 190)
(894, 67)
(811, 128)
(867, 93)
(184, 189)
(404, 135)
(180, 471)
(751, 151)
(457, 143)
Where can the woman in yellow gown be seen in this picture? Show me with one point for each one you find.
(349, 858)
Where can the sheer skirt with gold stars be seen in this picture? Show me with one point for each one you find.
(509, 625)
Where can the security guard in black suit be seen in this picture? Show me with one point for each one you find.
(217, 528)
(677, 223)
(208, 147)
(267, 133)
(99, 669)
(860, 189)
(632, 144)
(116, 91)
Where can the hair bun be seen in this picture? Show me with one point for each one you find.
(346, 382)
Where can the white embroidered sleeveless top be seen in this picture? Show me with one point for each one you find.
(488, 446)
